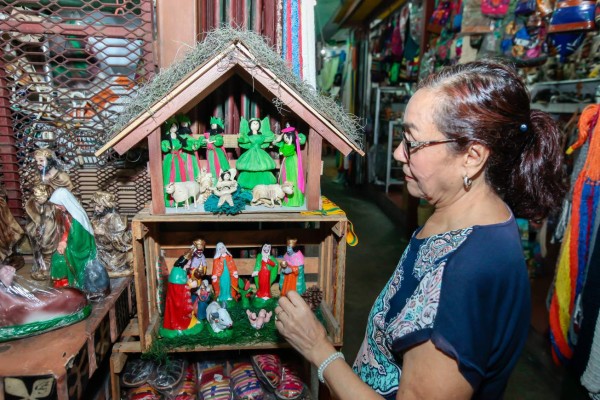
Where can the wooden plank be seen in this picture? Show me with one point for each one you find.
(117, 362)
(331, 323)
(313, 173)
(141, 286)
(127, 347)
(156, 121)
(155, 172)
(177, 27)
(152, 271)
(339, 288)
(132, 329)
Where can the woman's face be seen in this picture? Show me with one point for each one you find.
(434, 172)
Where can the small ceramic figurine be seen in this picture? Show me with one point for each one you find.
(113, 240)
(289, 142)
(10, 231)
(43, 230)
(203, 298)
(218, 317)
(76, 245)
(271, 195)
(258, 321)
(292, 269)
(51, 171)
(205, 181)
(216, 157)
(255, 164)
(224, 274)
(225, 187)
(178, 315)
(265, 272)
(196, 256)
(174, 160)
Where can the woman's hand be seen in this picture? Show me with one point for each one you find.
(297, 323)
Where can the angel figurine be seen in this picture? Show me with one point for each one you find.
(216, 157)
(255, 164)
(225, 187)
(289, 142)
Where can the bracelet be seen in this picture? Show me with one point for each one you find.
(326, 363)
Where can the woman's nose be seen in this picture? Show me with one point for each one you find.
(400, 154)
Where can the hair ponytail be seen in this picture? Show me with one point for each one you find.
(537, 185)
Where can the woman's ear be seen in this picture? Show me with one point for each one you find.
(475, 158)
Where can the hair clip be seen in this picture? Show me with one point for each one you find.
(523, 128)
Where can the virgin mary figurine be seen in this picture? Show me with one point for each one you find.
(224, 274)
(289, 143)
(255, 164)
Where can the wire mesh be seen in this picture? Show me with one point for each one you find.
(68, 67)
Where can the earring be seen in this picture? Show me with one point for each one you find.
(467, 182)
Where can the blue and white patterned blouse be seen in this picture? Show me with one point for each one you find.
(468, 292)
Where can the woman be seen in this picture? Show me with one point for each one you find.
(453, 319)
(291, 166)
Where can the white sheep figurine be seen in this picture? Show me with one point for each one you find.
(182, 191)
(270, 195)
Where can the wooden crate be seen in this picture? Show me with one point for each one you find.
(322, 236)
(59, 364)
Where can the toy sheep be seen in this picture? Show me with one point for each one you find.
(218, 317)
(182, 191)
(269, 195)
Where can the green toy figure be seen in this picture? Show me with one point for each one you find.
(265, 272)
(255, 164)
(174, 160)
(191, 146)
(216, 157)
(289, 142)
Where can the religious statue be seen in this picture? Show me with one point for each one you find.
(292, 269)
(178, 315)
(43, 230)
(255, 164)
(203, 298)
(76, 244)
(289, 142)
(224, 274)
(216, 157)
(113, 239)
(51, 171)
(10, 232)
(265, 272)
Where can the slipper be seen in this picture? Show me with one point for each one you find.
(268, 369)
(245, 383)
(137, 372)
(291, 387)
(144, 392)
(187, 391)
(168, 375)
(214, 384)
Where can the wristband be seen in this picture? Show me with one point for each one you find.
(326, 363)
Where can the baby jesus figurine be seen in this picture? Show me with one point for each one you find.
(226, 187)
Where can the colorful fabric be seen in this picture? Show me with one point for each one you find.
(292, 35)
(575, 250)
(216, 157)
(214, 384)
(330, 208)
(268, 369)
(245, 383)
(437, 276)
(291, 387)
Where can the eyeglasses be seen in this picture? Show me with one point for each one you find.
(411, 146)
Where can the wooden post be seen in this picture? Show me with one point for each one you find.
(155, 168)
(313, 174)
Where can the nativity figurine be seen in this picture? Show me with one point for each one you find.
(51, 171)
(226, 187)
(216, 157)
(113, 239)
(10, 233)
(265, 272)
(174, 159)
(255, 164)
(224, 274)
(257, 321)
(292, 269)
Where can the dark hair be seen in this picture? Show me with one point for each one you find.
(485, 101)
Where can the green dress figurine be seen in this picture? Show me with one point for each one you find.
(216, 158)
(255, 164)
(289, 143)
(190, 149)
(174, 160)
